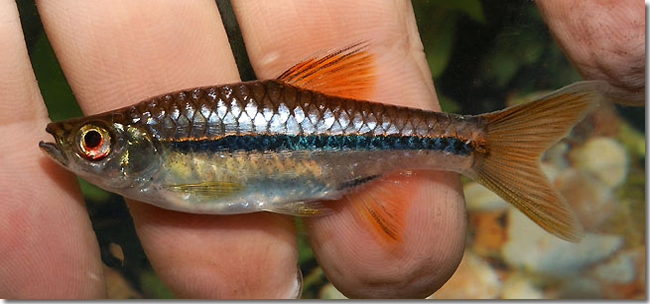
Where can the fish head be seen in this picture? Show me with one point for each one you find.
(111, 155)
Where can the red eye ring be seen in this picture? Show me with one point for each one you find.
(94, 142)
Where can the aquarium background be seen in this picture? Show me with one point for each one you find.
(483, 55)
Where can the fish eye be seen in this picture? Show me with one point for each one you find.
(94, 142)
(92, 139)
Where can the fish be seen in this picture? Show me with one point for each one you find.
(291, 144)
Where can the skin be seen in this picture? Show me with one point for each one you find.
(604, 40)
(118, 52)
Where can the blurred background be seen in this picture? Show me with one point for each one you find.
(484, 55)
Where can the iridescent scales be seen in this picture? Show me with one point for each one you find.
(283, 145)
(250, 115)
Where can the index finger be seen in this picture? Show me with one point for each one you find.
(48, 247)
(119, 52)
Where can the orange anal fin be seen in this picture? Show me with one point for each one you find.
(348, 72)
(380, 205)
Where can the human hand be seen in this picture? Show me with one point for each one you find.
(119, 52)
(605, 40)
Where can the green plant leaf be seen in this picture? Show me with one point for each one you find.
(56, 92)
(439, 48)
(93, 192)
(471, 8)
(153, 288)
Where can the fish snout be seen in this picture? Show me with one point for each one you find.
(55, 149)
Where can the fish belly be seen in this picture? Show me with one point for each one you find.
(244, 182)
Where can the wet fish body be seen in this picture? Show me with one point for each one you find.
(268, 143)
(281, 146)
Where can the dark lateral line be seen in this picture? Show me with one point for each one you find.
(249, 143)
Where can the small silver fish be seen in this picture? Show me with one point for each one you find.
(287, 145)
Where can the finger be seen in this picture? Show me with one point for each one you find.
(603, 40)
(278, 34)
(118, 52)
(48, 247)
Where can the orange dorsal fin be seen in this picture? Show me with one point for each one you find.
(348, 72)
(380, 206)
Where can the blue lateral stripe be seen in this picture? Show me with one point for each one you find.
(232, 143)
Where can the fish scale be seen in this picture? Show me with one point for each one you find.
(173, 117)
(284, 145)
(219, 131)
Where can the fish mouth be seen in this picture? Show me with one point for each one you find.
(54, 150)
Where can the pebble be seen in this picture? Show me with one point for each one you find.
(531, 248)
(603, 157)
(474, 279)
(591, 200)
(620, 269)
(555, 160)
(487, 232)
(518, 286)
(578, 288)
(479, 198)
(328, 291)
(623, 276)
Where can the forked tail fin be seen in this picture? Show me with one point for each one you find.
(515, 139)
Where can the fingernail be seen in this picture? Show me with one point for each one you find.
(296, 290)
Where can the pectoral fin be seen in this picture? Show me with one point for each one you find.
(208, 190)
(300, 208)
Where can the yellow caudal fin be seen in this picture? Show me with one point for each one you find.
(514, 141)
(348, 72)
